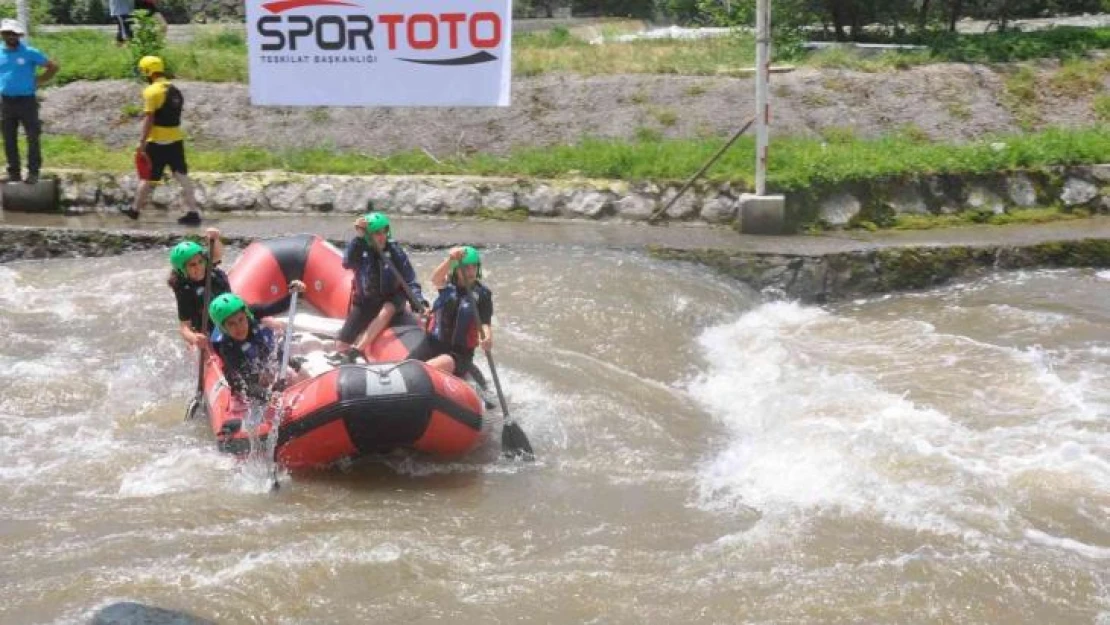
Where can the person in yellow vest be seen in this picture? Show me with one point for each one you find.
(162, 140)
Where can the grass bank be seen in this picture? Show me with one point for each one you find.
(220, 56)
(795, 163)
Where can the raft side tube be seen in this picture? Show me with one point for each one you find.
(264, 270)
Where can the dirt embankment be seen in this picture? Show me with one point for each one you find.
(946, 102)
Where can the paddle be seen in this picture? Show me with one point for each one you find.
(417, 305)
(143, 166)
(196, 406)
(514, 444)
(279, 386)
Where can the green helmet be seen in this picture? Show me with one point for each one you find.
(226, 305)
(182, 253)
(470, 257)
(376, 222)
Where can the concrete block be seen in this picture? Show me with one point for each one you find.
(41, 197)
(762, 214)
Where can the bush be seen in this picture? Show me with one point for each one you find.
(146, 39)
(1060, 43)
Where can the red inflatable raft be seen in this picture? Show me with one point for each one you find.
(351, 410)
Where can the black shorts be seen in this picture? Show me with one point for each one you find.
(362, 313)
(163, 155)
(429, 348)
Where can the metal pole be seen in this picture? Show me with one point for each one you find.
(762, 75)
(23, 14)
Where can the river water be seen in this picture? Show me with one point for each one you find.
(704, 456)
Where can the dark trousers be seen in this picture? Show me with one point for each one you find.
(13, 110)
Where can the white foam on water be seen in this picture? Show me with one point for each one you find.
(176, 471)
(810, 436)
(1103, 275)
(1031, 317)
(249, 568)
(1087, 551)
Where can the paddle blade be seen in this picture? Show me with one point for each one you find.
(196, 409)
(514, 444)
(143, 166)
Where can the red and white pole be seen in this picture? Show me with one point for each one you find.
(762, 103)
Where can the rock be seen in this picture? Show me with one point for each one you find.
(462, 198)
(128, 613)
(416, 196)
(320, 195)
(947, 193)
(592, 204)
(543, 201)
(109, 191)
(839, 209)
(1100, 173)
(233, 195)
(1078, 192)
(634, 207)
(285, 197)
(720, 209)
(165, 195)
(79, 191)
(982, 198)
(1021, 190)
(687, 206)
(118, 190)
(499, 201)
(906, 199)
(380, 194)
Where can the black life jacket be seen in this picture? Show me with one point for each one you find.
(455, 320)
(247, 364)
(169, 114)
(375, 276)
(193, 293)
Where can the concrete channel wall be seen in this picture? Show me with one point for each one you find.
(840, 272)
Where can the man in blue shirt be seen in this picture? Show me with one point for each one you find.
(19, 78)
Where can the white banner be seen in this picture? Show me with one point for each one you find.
(380, 52)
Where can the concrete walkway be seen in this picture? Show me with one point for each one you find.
(441, 232)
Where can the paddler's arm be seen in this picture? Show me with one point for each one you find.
(192, 337)
(217, 246)
(439, 276)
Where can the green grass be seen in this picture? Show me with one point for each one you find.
(535, 54)
(220, 55)
(1101, 107)
(1018, 216)
(1058, 43)
(1021, 97)
(1079, 77)
(91, 55)
(847, 58)
(795, 163)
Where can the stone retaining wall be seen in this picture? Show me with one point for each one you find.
(879, 200)
(840, 205)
